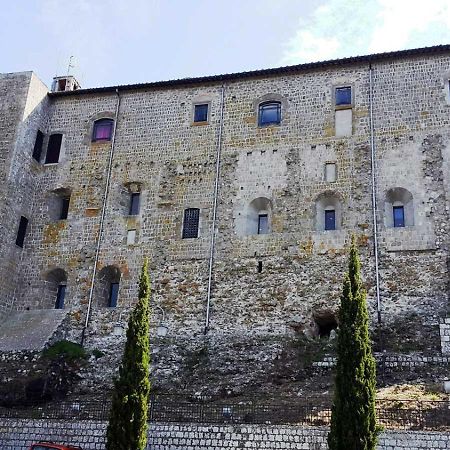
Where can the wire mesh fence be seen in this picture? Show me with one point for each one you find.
(391, 414)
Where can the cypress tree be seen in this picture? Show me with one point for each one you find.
(353, 421)
(127, 428)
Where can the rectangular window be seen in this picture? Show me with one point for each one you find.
(399, 216)
(113, 295)
(330, 220)
(103, 130)
(190, 223)
(263, 224)
(131, 237)
(59, 303)
(65, 202)
(37, 150)
(201, 113)
(330, 172)
(23, 224)
(269, 113)
(134, 203)
(53, 149)
(343, 96)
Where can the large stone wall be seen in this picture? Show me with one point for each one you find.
(266, 289)
(18, 434)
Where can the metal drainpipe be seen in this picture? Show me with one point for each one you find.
(213, 226)
(102, 219)
(374, 197)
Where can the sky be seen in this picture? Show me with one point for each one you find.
(133, 41)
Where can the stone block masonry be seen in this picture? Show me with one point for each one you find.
(268, 287)
(18, 434)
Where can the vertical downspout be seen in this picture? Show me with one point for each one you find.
(214, 218)
(102, 219)
(374, 197)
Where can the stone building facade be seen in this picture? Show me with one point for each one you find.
(277, 157)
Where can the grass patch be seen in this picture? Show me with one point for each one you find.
(97, 353)
(68, 350)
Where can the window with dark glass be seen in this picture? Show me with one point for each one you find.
(399, 216)
(343, 96)
(61, 293)
(134, 203)
(103, 130)
(190, 223)
(113, 295)
(201, 113)
(23, 224)
(65, 202)
(37, 149)
(330, 220)
(53, 149)
(269, 113)
(263, 224)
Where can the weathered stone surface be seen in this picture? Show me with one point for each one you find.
(271, 287)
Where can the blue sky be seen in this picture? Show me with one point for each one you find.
(131, 41)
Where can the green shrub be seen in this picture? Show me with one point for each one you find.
(97, 353)
(68, 350)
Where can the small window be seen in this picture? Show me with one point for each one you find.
(263, 224)
(103, 130)
(399, 216)
(131, 237)
(190, 223)
(23, 224)
(135, 200)
(53, 149)
(65, 202)
(37, 149)
(330, 172)
(201, 113)
(330, 219)
(343, 96)
(60, 295)
(269, 113)
(113, 295)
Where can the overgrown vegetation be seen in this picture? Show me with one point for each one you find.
(67, 349)
(127, 428)
(353, 422)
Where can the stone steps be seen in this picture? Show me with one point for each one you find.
(29, 330)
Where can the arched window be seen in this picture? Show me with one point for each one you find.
(55, 287)
(399, 208)
(269, 113)
(103, 130)
(108, 286)
(328, 212)
(259, 216)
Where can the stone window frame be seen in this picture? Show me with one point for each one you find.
(326, 201)
(108, 275)
(267, 98)
(333, 95)
(130, 188)
(199, 226)
(399, 196)
(201, 99)
(111, 115)
(62, 148)
(446, 86)
(55, 200)
(208, 118)
(336, 171)
(56, 277)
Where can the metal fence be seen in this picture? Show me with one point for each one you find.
(391, 414)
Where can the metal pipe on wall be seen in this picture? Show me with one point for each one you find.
(374, 197)
(102, 219)
(214, 219)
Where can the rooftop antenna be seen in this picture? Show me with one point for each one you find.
(71, 65)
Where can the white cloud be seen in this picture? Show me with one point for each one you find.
(398, 23)
(340, 28)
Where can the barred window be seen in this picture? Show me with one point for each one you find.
(190, 223)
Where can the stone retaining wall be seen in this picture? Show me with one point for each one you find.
(18, 434)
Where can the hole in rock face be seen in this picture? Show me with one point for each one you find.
(326, 322)
(259, 266)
